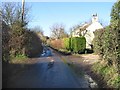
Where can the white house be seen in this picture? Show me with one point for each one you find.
(88, 31)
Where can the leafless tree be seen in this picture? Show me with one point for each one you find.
(38, 29)
(81, 28)
(58, 31)
(12, 12)
(40, 33)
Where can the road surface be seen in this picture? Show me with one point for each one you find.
(41, 75)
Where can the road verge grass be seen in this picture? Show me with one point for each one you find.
(20, 58)
(108, 73)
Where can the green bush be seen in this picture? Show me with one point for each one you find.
(108, 74)
(98, 41)
(20, 56)
(74, 44)
(66, 43)
(78, 44)
(107, 44)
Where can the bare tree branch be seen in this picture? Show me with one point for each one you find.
(11, 12)
(58, 31)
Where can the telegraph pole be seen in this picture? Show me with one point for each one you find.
(23, 4)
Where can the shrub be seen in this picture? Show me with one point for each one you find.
(57, 44)
(33, 44)
(5, 42)
(78, 44)
(107, 44)
(108, 74)
(19, 41)
(75, 44)
(98, 42)
(66, 43)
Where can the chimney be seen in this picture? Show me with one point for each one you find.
(94, 18)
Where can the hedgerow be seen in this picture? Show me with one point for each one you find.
(74, 44)
(107, 45)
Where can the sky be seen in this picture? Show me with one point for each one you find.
(45, 14)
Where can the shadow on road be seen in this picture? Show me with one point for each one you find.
(11, 70)
(24, 75)
(44, 71)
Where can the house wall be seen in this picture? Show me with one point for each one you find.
(75, 33)
(89, 38)
(90, 31)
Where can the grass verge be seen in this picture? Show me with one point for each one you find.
(108, 73)
(20, 58)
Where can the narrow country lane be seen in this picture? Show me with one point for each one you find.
(41, 76)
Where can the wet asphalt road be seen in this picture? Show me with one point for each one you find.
(41, 76)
